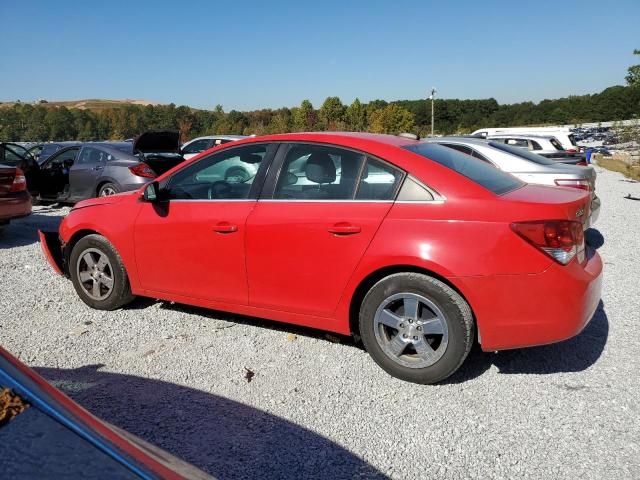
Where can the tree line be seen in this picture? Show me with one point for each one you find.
(27, 122)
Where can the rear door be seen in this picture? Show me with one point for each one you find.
(193, 244)
(85, 172)
(321, 208)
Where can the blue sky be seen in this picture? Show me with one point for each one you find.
(252, 54)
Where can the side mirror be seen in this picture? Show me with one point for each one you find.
(150, 193)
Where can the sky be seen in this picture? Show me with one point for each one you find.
(259, 54)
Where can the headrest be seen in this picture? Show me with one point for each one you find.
(320, 168)
(250, 158)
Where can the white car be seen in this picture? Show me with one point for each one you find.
(200, 144)
(562, 134)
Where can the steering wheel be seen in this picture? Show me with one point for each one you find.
(219, 189)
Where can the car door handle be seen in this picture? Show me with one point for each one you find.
(344, 228)
(225, 227)
(98, 167)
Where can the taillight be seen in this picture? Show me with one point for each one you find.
(572, 150)
(19, 182)
(142, 170)
(582, 184)
(583, 163)
(560, 239)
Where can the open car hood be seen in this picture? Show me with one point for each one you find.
(157, 142)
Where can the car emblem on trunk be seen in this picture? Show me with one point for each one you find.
(580, 212)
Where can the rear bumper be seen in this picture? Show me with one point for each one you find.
(516, 311)
(52, 249)
(14, 205)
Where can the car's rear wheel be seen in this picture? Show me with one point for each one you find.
(108, 189)
(416, 327)
(98, 274)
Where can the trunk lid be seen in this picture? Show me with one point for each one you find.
(157, 142)
(553, 203)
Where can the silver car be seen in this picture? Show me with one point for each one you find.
(528, 166)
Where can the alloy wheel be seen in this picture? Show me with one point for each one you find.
(411, 330)
(95, 273)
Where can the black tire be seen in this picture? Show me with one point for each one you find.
(110, 188)
(120, 293)
(455, 312)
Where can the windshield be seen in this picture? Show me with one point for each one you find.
(476, 170)
(522, 153)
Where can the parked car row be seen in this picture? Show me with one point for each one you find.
(417, 247)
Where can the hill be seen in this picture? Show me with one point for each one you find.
(94, 104)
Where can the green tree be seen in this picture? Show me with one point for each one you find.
(305, 118)
(332, 114)
(633, 78)
(391, 119)
(356, 117)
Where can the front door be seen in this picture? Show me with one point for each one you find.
(192, 244)
(305, 241)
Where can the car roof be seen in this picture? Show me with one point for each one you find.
(339, 137)
(221, 137)
(523, 136)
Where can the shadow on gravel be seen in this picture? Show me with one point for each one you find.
(594, 238)
(227, 439)
(573, 355)
(24, 231)
(141, 303)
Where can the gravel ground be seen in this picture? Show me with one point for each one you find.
(317, 406)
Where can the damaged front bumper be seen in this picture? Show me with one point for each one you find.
(53, 250)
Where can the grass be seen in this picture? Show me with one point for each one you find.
(616, 165)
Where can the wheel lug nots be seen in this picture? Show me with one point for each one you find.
(419, 329)
(415, 338)
(402, 325)
(404, 335)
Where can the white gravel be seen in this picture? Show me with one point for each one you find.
(175, 376)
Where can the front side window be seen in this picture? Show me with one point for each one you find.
(535, 145)
(225, 175)
(475, 170)
(67, 157)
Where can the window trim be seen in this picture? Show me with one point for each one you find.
(257, 185)
(275, 170)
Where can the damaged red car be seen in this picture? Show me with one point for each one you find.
(416, 248)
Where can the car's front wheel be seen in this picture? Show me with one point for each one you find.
(416, 327)
(98, 274)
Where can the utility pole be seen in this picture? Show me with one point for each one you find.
(432, 97)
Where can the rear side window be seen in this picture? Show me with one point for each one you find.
(476, 170)
(379, 181)
(535, 145)
(556, 144)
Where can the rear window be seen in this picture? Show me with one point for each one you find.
(519, 152)
(476, 170)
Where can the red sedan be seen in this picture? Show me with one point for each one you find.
(414, 247)
(15, 201)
